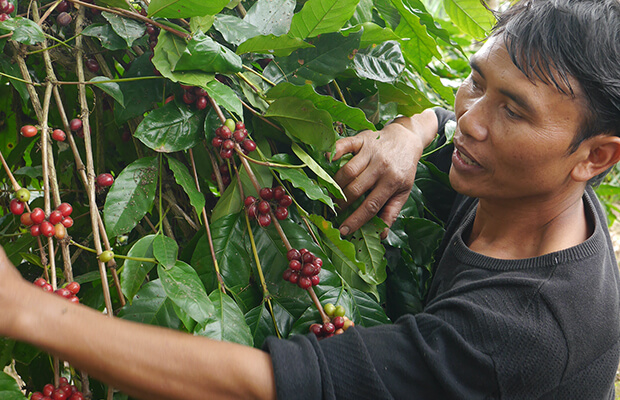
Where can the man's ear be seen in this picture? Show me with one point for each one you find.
(600, 153)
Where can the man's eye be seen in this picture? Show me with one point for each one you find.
(511, 114)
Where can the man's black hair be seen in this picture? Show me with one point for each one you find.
(552, 40)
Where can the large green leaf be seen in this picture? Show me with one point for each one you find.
(6, 350)
(171, 128)
(185, 289)
(410, 101)
(131, 196)
(128, 29)
(225, 97)
(373, 34)
(9, 390)
(24, 30)
(205, 54)
(351, 116)
(302, 120)
(470, 16)
(167, 53)
(108, 37)
(330, 183)
(279, 46)
(383, 63)
(228, 322)
(272, 16)
(185, 8)
(322, 16)
(370, 251)
(418, 46)
(185, 180)
(234, 29)
(111, 88)
(331, 55)
(261, 324)
(165, 250)
(134, 272)
(151, 306)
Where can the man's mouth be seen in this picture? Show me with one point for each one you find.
(467, 160)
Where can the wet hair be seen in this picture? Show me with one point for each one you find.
(554, 40)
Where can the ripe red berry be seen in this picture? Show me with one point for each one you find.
(315, 280)
(29, 130)
(4, 17)
(189, 97)
(63, 6)
(295, 265)
(47, 288)
(25, 219)
(338, 322)
(17, 207)
(278, 192)
(201, 102)
(328, 328)
(226, 153)
(226, 180)
(37, 215)
(304, 282)
(252, 210)
(228, 144)
(266, 193)
(239, 135)
(64, 18)
(35, 230)
(9, 8)
(55, 217)
(92, 65)
(36, 396)
(200, 92)
(224, 132)
(59, 135)
(307, 257)
(74, 299)
(73, 287)
(75, 124)
(308, 270)
(40, 282)
(63, 292)
(264, 220)
(105, 180)
(249, 200)
(264, 207)
(248, 145)
(77, 396)
(286, 275)
(294, 278)
(60, 232)
(316, 329)
(217, 141)
(65, 208)
(67, 222)
(239, 125)
(48, 389)
(318, 262)
(293, 254)
(281, 213)
(47, 229)
(285, 201)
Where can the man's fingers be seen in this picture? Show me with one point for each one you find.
(368, 209)
(348, 145)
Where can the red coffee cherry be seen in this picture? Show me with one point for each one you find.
(75, 124)
(217, 141)
(252, 211)
(249, 200)
(226, 153)
(200, 92)
(225, 133)
(17, 207)
(295, 265)
(92, 65)
(278, 192)
(105, 180)
(293, 254)
(65, 208)
(63, 6)
(64, 18)
(55, 217)
(264, 220)
(47, 229)
(59, 135)
(248, 145)
(285, 201)
(48, 389)
(37, 215)
(281, 213)
(67, 222)
(266, 193)
(304, 282)
(73, 287)
(35, 230)
(228, 144)
(315, 280)
(201, 103)
(25, 219)
(29, 130)
(239, 135)
(40, 282)
(264, 207)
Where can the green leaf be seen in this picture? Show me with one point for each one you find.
(302, 120)
(300, 180)
(271, 17)
(470, 16)
(321, 16)
(131, 196)
(185, 289)
(383, 63)
(111, 88)
(370, 251)
(260, 321)
(419, 47)
(9, 390)
(165, 250)
(134, 272)
(13, 70)
(171, 128)
(410, 101)
(128, 29)
(229, 203)
(320, 172)
(351, 116)
(225, 97)
(201, 24)
(6, 351)
(167, 53)
(234, 29)
(185, 180)
(372, 34)
(107, 36)
(24, 30)
(151, 306)
(204, 54)
(228, 322)
(331, 55)
(185, 8)
(279, 46)
(115, 3)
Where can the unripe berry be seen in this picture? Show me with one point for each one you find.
(339, 331)
(329, 309)
(340, 311)
(106, 256)
(105, 180)
(37, 215)
(264, 220)
(75, 124)
(29, 130)
(59, 135)
(23, 195)
(65, 208)
(17, 207)
(60, 232)
(230, 124)
(266, 193)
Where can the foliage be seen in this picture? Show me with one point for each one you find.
(300, 75)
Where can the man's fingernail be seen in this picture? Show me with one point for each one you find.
(344, 230)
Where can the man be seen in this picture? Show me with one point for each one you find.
(525, 299)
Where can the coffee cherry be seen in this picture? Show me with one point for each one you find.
(338, 322)
(266, 193)
(217, 141)
(9, 8)
(339, 311)
(228, 144)
(40, 282)
(80, 133)
(201, 103)
(248, 145)
(308, 270)
(67, 222)
(318, 262)
(295, 265)
(239, 125)
(105, 180)
(249, 200)
(329, 309)
(285, 201)
(25, 219)
(200, 92)
(4, 17)
(239, 135)
(281, 213)
(47, 229)
(278, 192)
(55, 217)
(92, 65)
(37, 396)
(294, 278)
(226, 153)
(35, 230)
(230, 124)
(48, 389)
(317, 329)
(286, 275)
(17, 207)
(224, 132)
(315, 279)
(328, 328)
(339, 331)
(29, 130)
(65, 208)
(252, 211)
(47, 288)
(64, 18)
(293, 254)
(73, 287)
(63, 292)
(74, 299)
(106, 256)
(347, 324)
(59, 135)
(60, 232)
(37, 215)
(307, 257)
(63, 6)
(23, 195)
(264, 220)
(189, 97)
(75, 124)
(264, 207)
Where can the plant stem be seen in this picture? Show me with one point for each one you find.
(258, 74)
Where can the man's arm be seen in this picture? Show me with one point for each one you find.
(384, 163)
(143, 361)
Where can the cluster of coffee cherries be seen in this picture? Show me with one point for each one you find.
(224, 173)
(193, 95)
(230, 133)
(64, 391)
(6, 8)
(69, 291)
(268, 197)
(338, 324)
(55, 224)
(153, 33)
(31, 130)
(63, 18)
(303, 268)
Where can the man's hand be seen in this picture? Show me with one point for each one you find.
(384, 165)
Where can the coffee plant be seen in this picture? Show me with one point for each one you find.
(166, 162)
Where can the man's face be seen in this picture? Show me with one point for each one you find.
(513, 135)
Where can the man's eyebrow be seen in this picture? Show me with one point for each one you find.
(518, 99)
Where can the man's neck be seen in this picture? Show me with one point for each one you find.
(516, 230)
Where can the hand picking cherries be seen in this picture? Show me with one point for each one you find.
(338, 325)
(269, 197)
(64, 391)
(303, 268)
(230, 133)
(69, 292)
